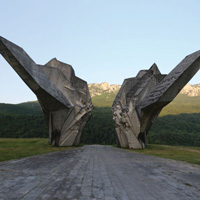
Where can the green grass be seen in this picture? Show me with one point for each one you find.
(20, 148)
(104, 100)
(182, 104)
(186, 154)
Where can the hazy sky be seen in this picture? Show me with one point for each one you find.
(104, 40)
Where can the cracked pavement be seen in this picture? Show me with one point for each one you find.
(98, 172)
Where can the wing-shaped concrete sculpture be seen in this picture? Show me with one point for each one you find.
(64, 98)
(140, 99)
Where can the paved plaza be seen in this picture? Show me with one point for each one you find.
(98, 172)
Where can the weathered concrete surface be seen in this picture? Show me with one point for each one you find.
(98, 172)
(141, 99)
(64, 98)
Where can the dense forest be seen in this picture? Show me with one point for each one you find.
(182, 129)
(23, 127)
(100, 129)
(24, 120)
(178, 123)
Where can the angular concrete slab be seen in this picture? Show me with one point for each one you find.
(141, 99)
(64, 98)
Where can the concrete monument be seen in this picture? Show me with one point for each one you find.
(141, 99)
(64, 98)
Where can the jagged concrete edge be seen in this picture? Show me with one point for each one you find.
(11, 47)
(149, 100)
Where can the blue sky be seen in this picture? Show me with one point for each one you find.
(104, 40)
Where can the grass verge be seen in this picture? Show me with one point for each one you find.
(20, 148)
(187, 154)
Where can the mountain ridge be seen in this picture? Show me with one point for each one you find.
(103, 95)
(191, 90)
(104, 87)
(97, 89)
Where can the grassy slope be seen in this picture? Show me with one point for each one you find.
(20, 148)
(104, 100)
(182, 104)
(187, 154)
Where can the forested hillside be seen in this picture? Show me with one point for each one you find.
(23, 120)
(23, 127)
(182, 129)
(178, 123)
(23, 109)
(100, 128)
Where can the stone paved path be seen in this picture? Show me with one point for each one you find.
(98, 172)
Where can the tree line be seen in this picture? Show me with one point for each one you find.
(182, 129)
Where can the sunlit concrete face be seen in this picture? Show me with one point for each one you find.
(141, 99)
(64, 98)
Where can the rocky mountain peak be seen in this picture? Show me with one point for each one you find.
(191, 90)
(102, 88)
